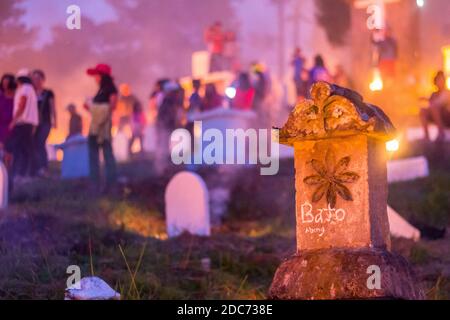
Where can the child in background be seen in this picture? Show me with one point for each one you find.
(75, 122)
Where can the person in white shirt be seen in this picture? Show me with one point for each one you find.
(25, 119)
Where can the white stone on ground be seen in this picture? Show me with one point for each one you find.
(91, 288)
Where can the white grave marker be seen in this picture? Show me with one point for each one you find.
(121, 147)
(150, 142)
(407, 169)
(3, 186)
(187, 205)
(401, 228)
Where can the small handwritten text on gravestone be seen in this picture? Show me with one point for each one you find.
(321, 216)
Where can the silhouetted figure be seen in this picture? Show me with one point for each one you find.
(212, 98)
(438, 110)
(216, 38)
(245, 93)
(25, 119)
(75, 122)
(101, 109)
(195, 100)
(8, 87)
(47, 121)
(386, 53)
(319, 72)
(298, 65)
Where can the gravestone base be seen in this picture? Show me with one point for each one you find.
(343, 274)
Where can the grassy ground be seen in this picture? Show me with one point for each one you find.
(52, 224)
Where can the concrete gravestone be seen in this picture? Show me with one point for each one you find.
(121, 147)
(75, 162)
(187, 205)
(341, 201)
(3, 186)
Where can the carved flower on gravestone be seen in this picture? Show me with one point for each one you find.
(331, 178)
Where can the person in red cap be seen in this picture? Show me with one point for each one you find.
(101, 108)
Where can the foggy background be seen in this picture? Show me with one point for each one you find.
(144, 40)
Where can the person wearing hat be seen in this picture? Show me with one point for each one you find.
(25, 120)
(101, 108)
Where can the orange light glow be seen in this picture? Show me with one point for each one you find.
(377, 81)
(446, 53)
(392, 145)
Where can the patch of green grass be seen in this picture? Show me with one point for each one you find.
(440, 290)
(419, 255)
(424, 200)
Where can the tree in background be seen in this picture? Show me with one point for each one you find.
(335, 17)
(13, 33)
(148, 40)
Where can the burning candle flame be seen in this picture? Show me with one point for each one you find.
(377, 81)
(392, 145)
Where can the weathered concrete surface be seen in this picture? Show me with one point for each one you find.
(357, 216)
(342, 274)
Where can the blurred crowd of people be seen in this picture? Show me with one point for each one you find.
(304, 78)
(27, 114)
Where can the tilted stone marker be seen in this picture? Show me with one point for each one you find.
(187, 205)
(341, 202)
(3, 186)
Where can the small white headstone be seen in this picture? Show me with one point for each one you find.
(187, 205)
(150, 142)
(417, 133)
(407, 169)
(121, 147)
(3, 186)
